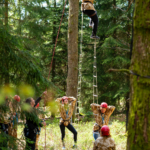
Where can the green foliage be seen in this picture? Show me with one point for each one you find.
(28, 41)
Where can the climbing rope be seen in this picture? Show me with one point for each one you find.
(53, 57)
(79, 75)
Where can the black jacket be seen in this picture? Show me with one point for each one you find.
(32, 120)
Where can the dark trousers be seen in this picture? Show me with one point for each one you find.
(31, 137)
(71, 128)
(93, 19)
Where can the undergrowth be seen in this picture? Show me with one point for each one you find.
(85, 136)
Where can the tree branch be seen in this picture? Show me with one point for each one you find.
(119, 70)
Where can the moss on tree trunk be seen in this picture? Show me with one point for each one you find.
(139, 114)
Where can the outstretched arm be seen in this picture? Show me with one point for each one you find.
(39, 98)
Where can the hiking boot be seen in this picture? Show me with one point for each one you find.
(94, 37)
(63, 147)
(74, 146)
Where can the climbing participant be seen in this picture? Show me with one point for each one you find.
(102, 114)
(104, 142)
(32, 123)
(66, 111)
(88, 9)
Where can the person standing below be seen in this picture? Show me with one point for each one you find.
(38, 132)
(32, 123)
(102, 114)
(104, 142)
(15, 109)
(66, 111)
(88, 9)
(4, 123)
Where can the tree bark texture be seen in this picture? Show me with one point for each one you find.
(72, 78)
(139, 113)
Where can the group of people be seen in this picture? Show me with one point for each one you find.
(101, 131)
(9, 119)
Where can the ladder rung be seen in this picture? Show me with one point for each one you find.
(94, 76)
(78, 101)
(77, 107)
(76, 113)
(79, 88)
(95, 85)
(94, 66)
(76, 119)
(95, 95)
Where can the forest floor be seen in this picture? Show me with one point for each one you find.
(85, 136)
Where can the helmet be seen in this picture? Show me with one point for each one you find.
(104, 105)
(37, 105)
(17, 98)
(105, 130)
(64, 97)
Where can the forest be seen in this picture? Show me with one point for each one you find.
(46, 46)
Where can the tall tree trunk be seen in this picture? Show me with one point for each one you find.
(54, 60)
(139, 119)
(114, 20)
(19, 17)
(6, 13)
(128, 56)
(72, 79)
(54, 38)
(6, 53)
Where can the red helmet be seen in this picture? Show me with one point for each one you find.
(37, 105)
(105, 130)
(17, 98)
(104, 105)
(64, 98)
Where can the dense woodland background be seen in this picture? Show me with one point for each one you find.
(28, 32)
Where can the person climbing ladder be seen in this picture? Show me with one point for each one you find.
(66, 111)
(88, 9)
